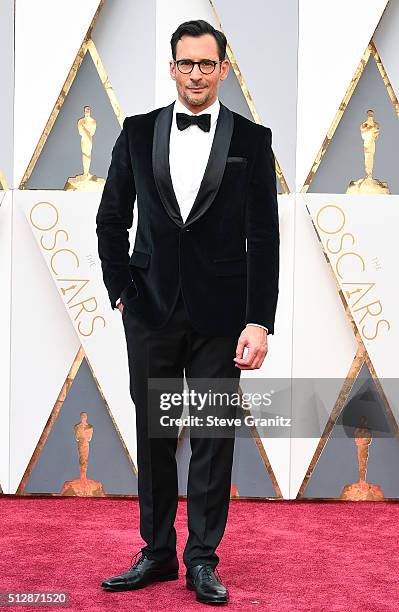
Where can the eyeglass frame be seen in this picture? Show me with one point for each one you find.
(176, 62)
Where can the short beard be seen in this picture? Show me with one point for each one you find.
(196, 101)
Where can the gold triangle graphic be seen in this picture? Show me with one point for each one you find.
(3, 182)
(87, 46)
(357, 364)
(247, 96)
(266, 462)
(53, 417)
(370, 51)
(263, 454)
(341, 400)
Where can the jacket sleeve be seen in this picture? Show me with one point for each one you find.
(263, 237)
(115, 217)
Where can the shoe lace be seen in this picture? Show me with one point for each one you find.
(137, 563)
(210, 572)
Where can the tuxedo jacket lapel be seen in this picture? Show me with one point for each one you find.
(213, 172)
(160, 163)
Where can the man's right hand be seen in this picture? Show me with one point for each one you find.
(120, 306)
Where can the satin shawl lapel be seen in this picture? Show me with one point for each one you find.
(213, 172)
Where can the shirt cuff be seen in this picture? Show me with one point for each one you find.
(117, 301)
(258, 325)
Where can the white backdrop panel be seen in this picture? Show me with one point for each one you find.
(277, 366)
(359, 233)
(5, 320)
(6, 87)
(323, 343)
(75, 268)
(43, 344)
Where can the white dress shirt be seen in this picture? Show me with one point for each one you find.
(189, 151)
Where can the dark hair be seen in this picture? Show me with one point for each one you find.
(198, 27)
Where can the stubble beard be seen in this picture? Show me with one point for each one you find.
(196, 101)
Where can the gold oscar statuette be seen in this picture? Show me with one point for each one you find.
(86, 181)
(362, 490)
(234, 490)
(370, 131)
(82, 486)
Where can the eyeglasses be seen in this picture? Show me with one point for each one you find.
(206, 66)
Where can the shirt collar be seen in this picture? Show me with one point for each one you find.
(213, 109)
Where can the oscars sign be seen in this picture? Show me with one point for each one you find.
(65, 261)
(63, 225)
(352, 269)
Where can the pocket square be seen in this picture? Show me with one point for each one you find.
(236, 159)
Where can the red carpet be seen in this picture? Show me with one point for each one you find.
(275, 556)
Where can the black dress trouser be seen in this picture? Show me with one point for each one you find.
(165, 353)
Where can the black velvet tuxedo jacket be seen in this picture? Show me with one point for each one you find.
(225, 256)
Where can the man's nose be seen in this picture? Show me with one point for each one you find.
(195, 74)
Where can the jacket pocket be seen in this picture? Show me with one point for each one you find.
(129, 293)
(231, 266)
(140, 259)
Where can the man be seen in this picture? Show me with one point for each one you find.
(200, 286)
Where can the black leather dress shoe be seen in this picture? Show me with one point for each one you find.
(209, 588)
(145, 571)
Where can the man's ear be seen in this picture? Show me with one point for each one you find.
(172, 69)
(225, 66)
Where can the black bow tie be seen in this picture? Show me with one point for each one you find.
(203, 121)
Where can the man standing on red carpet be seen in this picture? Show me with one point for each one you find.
(200, 286)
